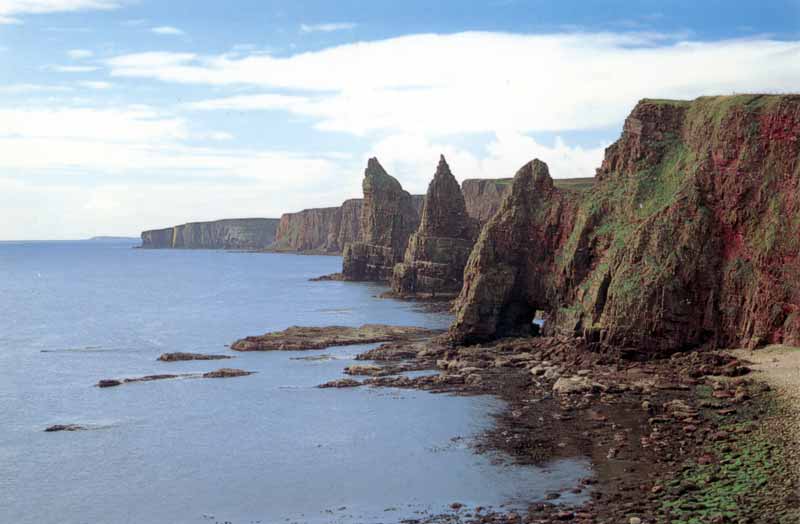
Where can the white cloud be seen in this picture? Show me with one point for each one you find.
(167, 30)
(143, 175)
(71, 69)
(25, 89)
(133, 125)
(327, 28)
(77, 54)
(412, 158)
(220, 136)
(10, 9)
(97, 85)
(481, 82)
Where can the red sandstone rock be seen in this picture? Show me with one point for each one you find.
(690, 237)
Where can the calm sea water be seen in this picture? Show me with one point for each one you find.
(265, 448)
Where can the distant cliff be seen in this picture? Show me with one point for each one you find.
(237, 233)
(483, 196)
(690, 236)
(322, 230)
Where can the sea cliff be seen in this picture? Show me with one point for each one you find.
(690, 237)
(320, 230)
(237, 233)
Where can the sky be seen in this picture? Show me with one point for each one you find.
(118, 116)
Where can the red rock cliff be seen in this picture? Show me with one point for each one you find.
(689, 238)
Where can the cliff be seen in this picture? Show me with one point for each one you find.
(483, 196)
(389, 215)
(437, 252)
(157, 238)
(242, 233)
(690, 237)
(325, 230)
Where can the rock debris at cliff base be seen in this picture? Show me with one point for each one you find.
(671, 440)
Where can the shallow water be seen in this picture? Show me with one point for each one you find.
(267, 447)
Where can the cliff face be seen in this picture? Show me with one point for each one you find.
(690, 237)
(389, 215)
(437, 252)
(484, 196)
(324, 230)
(157, 238)
(244, 233)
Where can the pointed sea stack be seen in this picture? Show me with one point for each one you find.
(438, 251)
(389, 216)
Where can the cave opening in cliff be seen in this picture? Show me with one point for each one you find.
(538, 322)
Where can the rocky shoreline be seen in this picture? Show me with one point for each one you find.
(681, 439)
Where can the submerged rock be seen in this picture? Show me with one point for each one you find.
(65, 427)
(341, 383)
(227, 373)
(220, 373)
(178, 357)
(301, 338)
(438, 251)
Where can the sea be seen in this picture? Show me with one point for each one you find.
(269, 447)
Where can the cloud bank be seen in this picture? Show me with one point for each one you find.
(10, 10)
(479, 82)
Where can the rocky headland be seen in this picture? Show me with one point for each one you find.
(685, 243)
(437, 251)
(688, 239)
(236, 233)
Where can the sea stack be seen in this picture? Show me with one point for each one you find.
(438, 251)
(389, 215)
(689, 238)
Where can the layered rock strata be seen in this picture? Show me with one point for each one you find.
(237, 233)
(689, 238)
(389, 216)
(438, 251)
(321, 230)
(297, 338)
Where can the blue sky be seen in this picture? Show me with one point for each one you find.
(122, 115)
